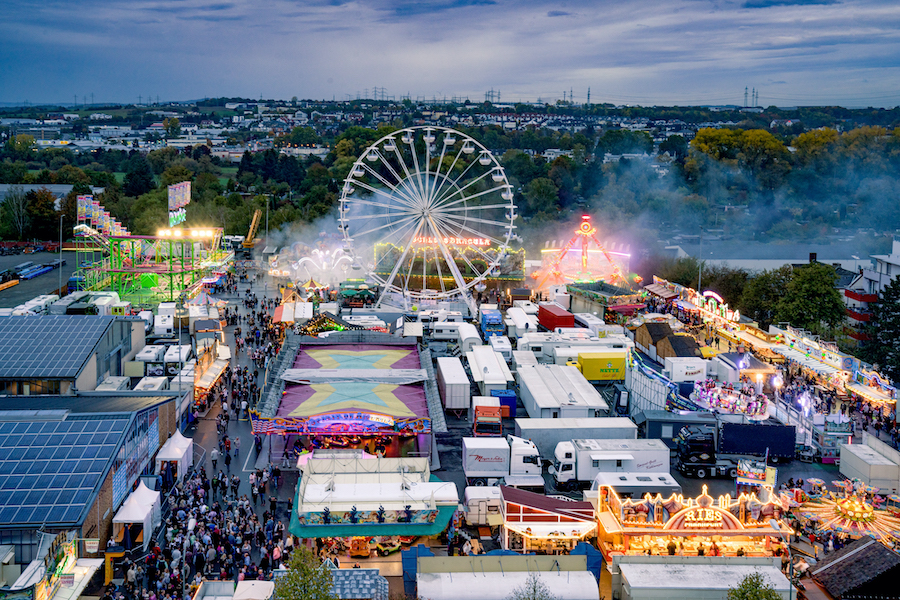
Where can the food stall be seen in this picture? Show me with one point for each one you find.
(543, 525)
(650, 524)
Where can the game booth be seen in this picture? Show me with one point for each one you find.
(688, 526)
(535, 523)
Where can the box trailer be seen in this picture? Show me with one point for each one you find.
(558, 391)
(488, 401)
(489, 370)
(508, 461)
(114, 384)
(547, 433)
(861, 461)
(152, 383)
(603, 365)
(453, 383)
(551, 316)
(528, 306)
(577, 462)
(446, 331)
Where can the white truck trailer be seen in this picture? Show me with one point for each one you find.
(577, 462)
(453, 383)
(547, 433)
(508, 461)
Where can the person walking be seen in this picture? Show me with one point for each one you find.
(214, 457)
(227, 462)
(237, 446)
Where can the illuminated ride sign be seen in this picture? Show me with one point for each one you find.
(697, 517)
(455, 241)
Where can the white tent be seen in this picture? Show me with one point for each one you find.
(133, 511)
(254, 590)
(145, 496)
(179, 449)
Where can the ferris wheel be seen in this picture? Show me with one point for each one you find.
(428, 213)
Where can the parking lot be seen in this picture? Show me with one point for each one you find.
(47, 283)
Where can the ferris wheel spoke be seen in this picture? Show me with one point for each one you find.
(399, 238)
(459, 190)
(396, 194)
(437, 258)
(451, 262)
(384, 205)
(400, 187)
(437, 172)
(416, 170)
(455, 183)
(478, 207)
(461, 226)
(446, 177)
(379, 192)
(390, 280)
(402, 180)
(469, 197)
(386, 225)
(465, 258)
(467, 218)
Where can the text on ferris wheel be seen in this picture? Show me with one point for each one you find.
(425, 239)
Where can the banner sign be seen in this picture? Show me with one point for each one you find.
(179, 197)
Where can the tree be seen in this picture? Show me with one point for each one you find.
(534, 588)
(15, 210)
(43, 221)
(541, 196)
(885, 331)
(676, 146)
(139, 178)
(811, 300)
(306, 579)
(172, 127)
(753, 587)
(763, 292)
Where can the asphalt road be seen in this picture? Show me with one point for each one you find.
(47, 283)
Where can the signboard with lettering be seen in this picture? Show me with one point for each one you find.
(697, 517)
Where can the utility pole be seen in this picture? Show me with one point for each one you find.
(589, 97)
(59, 289)
(745, 96)
(139, 99)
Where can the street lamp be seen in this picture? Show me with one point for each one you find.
(59, 289)
(774, 525)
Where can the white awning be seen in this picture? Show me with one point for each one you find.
(612, 457)
(609, 522)
(867, 392)
(552, 530)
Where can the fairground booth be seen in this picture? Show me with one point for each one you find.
(535, 523)
(655, 525)
(364, 396)
(356, 506)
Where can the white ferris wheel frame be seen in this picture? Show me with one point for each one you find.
(418, 202)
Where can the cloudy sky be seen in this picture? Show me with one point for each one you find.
(844, 52)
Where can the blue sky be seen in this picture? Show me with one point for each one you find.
(844, 52)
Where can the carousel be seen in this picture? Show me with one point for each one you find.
(856, 510)
(738, 398)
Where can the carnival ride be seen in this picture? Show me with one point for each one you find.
(146, 270)
(436, 207)
(578, 260)
(742, 398)
(855, 510)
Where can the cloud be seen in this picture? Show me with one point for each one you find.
(640, 52)
(770, 3)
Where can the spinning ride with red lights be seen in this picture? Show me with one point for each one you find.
(564, 266)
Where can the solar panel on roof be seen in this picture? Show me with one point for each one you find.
(54, 486)
(30, 347)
